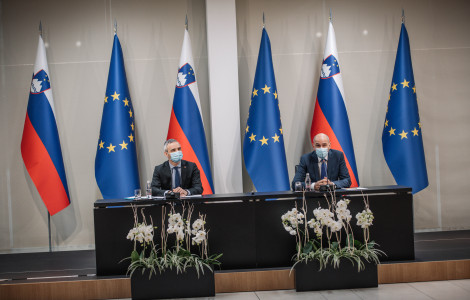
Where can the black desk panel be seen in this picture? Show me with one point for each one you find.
(247, 228)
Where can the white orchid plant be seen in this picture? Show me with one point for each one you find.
(160, 258)
(328, 245)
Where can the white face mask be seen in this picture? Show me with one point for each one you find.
(321, 152)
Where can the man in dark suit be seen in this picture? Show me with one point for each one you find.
(324, 165)
(175, 174)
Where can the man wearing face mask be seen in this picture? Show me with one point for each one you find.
(324, 165)
(175, 174)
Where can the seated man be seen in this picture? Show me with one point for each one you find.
(175, 174)
(324, 165)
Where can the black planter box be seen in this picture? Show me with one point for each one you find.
(168, 284)
(309, 278)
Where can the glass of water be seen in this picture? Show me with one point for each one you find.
(137, 194)
(298, 186)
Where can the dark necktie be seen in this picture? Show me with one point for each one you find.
(323, 173)
(177, 177)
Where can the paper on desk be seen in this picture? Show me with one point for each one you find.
(356, 188)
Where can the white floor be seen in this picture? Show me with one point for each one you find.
(447, 290)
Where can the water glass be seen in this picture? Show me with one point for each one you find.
(298, 186)
(137, 194)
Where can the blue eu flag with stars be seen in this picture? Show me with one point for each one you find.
(263, 146)
(116, 169)
(402, 139)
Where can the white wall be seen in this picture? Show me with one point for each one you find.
(151, 34)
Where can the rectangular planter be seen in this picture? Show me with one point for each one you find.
(309, 278)
(168, 284)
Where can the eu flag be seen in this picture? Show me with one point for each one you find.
(263, 146)
(116, 168)
(402, 140)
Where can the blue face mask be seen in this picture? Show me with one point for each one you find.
(176, 156)
(321, 152)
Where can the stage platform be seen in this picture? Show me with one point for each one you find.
(71, 274)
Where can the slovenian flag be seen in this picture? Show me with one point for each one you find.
(186, 123)
(330, 116)
(40, 145)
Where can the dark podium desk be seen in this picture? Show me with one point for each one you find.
(247, 228)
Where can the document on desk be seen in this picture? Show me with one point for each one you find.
(356, 188)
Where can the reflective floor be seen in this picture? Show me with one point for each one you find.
(448, 290)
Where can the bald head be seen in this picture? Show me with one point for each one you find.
(321, 140)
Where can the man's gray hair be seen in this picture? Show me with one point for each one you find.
(165, 145)
(320, 134)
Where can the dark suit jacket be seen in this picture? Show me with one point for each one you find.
(336, 169)
(190, 178)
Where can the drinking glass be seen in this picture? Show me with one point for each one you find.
(137, 194)
(298, 186)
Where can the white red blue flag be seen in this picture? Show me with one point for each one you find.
(330, 116)
(40, 145)
(186, 124)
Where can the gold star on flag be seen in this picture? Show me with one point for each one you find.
(389, 95)
(394, 87)
(419, 124)
(247, 128)
(255, 92)
(130, 113)
(132, 126)
(415, 131)
(126, 102)
(266, 89)
(123, 145)
(106, 99)
(414, 89)
(101, 145)
(115, 96)
(403, 134)
(252, 137)
(275, 95)
(111, 148)
(131, 138)
(264, 141)
(386, 123)
(280, 129)
(405, 83)
(392, 131)
(276, 138)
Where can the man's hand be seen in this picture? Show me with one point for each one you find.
(182, 192)
(322, 182)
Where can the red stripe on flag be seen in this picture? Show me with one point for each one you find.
(320, 125)
(42, 170)
(176, 132)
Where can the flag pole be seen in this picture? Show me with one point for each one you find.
(263, 21)
(403, 16)
(115, 27)
(48, 214)
(331, 15)
(186, 22)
